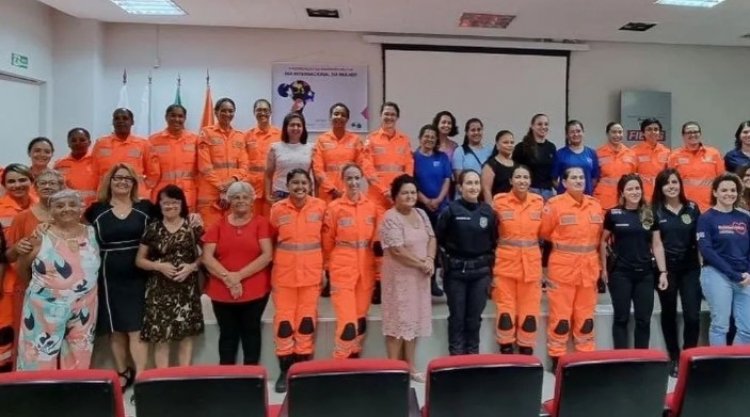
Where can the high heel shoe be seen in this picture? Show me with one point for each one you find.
(129, 375)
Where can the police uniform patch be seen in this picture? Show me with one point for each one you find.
(686, 218)
(483, 222)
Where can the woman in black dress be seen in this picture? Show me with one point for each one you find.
(498, 170)
(120, 219)
(169, 251)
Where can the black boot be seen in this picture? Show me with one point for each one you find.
(434, 288)
(302, 358)
(506, 348)
(353, 356)
(555, 359)
(674, 366)
(376, 299)
(327, 287)
(285, 362)
(525, 350)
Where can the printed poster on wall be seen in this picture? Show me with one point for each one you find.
(313, 88)
(636, 106)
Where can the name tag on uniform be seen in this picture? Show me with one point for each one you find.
(190, 147)
(435, 164)
(400, 150)
(285, 219)
(596, 218)
(378, 150)
(507, 215)
(346, 222)
(628, 160)
(605, 160)
(683, 161)
(215, 140)
(134, 153)
(644, 158)
(238, 145)
(314, 217)
(329, 145)
(370, 220)
(567, 219)
(105, 152)
(535, 215)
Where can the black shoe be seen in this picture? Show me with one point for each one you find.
(434, 288)
(555, 360)
(326, 288)
(525, 350)
(674, 367)
(506, 348)
(376, 294)
(129, 375)
(354, 355)
(285, 362)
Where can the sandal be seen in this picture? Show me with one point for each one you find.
(417, 377)
(129, 375)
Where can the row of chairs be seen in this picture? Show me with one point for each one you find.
(712, 381)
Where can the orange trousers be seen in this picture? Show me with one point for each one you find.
(210, 215)
(517, 302)
(351, 306)
(11, 304)
(570, 307)
(295, 319)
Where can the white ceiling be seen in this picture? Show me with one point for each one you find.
(585, 20)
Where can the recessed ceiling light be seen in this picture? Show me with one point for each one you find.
(485, 20)
(324, 13)
(637, 26)
(150, 7)
(690, 3)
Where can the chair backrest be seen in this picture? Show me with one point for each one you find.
(338, 388)
(612, 383)
(199, 391)
(483, 386)
(713, 381)
(61, 393)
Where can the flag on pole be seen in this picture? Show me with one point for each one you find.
(142, 127)
(122, 101)
(208, 106)
(177, 98)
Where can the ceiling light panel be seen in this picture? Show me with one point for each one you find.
(150, 7)
(690, 3)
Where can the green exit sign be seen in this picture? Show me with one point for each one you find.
(20, 61)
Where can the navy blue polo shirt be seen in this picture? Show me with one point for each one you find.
(631, 239)
(677, 233)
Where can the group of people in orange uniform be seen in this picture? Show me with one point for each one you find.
(338, 234)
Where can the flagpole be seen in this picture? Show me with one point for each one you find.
(150, 94)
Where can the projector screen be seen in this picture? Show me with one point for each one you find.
(504, 90)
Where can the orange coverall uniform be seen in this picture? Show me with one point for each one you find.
(330, 155)
(79, 175)
(517, 276)
(296, 274)
(258, 143)
(651, 161)
(110, 150)
(11, 298)
(698, 169)
(222, 158)
(613, 165)
(574, 229)
(173, 160)
(348, 231)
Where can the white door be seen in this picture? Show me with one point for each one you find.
(19, 118)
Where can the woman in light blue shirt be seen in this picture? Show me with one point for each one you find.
(471, 154)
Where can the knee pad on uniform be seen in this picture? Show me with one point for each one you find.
(529, 324)
(377, 249)
(307, 326)
(588, 326)
(7, 335)
(562, 328)
(505, 322)
(8, 367)
(361, 325)
(349, 333)
(285, 329)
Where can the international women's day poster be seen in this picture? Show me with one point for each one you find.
(312, 89)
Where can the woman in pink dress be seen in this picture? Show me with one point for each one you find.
(408, 262)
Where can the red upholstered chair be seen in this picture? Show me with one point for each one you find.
(199, 391)
(70, 393)
(345, 388)
(483, 386)
(712, 381)
(611, 383)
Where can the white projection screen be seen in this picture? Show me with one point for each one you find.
(503, 89)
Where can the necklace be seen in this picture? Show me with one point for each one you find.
(69, 237)
(121, 211)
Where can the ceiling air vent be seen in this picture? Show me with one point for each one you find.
(638, 26)
(485, 20)
(323, 13)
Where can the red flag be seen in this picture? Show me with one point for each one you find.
(208, 110)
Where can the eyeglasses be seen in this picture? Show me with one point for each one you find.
(123, 178)
(48, 183)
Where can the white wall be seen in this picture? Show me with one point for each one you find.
(708, 85)
(239, 60)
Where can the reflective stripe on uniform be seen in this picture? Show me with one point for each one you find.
(334, 167)
(575, 248)
(608, 181)
(355, 244)
(257, 168)
(298, 247)
(518, 243)
(389, 168)
(176, 175)
(697, 182)
(226, 165)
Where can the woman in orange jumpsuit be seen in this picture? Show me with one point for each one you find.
(77, 167)
(222, 160)
(122, 147)
(258, 141)
(173, 157)
(573, 223)
(615, 160)
(652, 156)
(517, 286)
(16, 180)
(298, 268)
(349, 229)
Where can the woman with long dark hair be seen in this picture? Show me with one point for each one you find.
(538, 153)
(740, 155)
(498, 169)
(472, 154)
(677, 219)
